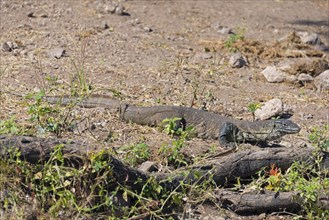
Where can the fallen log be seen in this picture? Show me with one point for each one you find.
(256, 203)
(242, 164)
(245, 203)
(221, 170)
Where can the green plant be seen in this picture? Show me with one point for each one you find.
(9, 127)
(309, 180)
(136, 154)
(232, 39)
(320, 137)
(172, 154)
(79, 84)
(47, 117)
(252, 107)
(172, 126)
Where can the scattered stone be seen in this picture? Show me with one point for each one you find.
(273, 75)
(31, 15)
(270, 109)
(135, 22)
(237, 60)
(322, 81)
(310, 39)
(221, 29)
(56, 53)
(24, 27)
(305, 78)
(148, 166)
(147, 29)
(9, 46)
(43, 16)
(119, 10)
(225, 30)
(55, 66)
(104, 25)
(262, 216)
(110, 9)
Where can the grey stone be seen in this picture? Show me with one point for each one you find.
(31, 15)
(9, 46)
(110, 8)
(237, 60)
(148, 166)
(6, 47)
(104, 25)
(119, 10)
(303, 77)
(221, 29)
(225, 30)
(270, 109)
(56, 53)
(310, 39)
(273, 75)
(147, 29)
(322, 81)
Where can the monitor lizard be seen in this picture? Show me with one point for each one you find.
(208, 125)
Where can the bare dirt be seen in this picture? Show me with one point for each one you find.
(157, 52)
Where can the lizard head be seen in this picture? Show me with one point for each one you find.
(285, 126)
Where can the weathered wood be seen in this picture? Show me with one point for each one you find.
(256, 203)
(265, 202)
(244, 164)
(224, 169)
(36, 149)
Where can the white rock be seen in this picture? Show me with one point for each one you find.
(148, 166)
(270, 109)
(310, 39)
(273, 75)
(303, 77)
(322, 81)
(225, 30)
(56, 53)
(9, 46)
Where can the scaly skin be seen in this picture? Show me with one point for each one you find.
(207, 125)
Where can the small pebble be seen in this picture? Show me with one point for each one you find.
(104, 25)
(56, 53)
(237, 60)
(312, 39)
(119, 10)
(148, 166)
(9, 46)
(303, 77)
(147, 29)
(31, 15)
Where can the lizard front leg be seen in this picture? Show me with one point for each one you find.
(228, 133)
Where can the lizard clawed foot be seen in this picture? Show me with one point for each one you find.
(228, 135)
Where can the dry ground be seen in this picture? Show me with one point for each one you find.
(155, 54)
